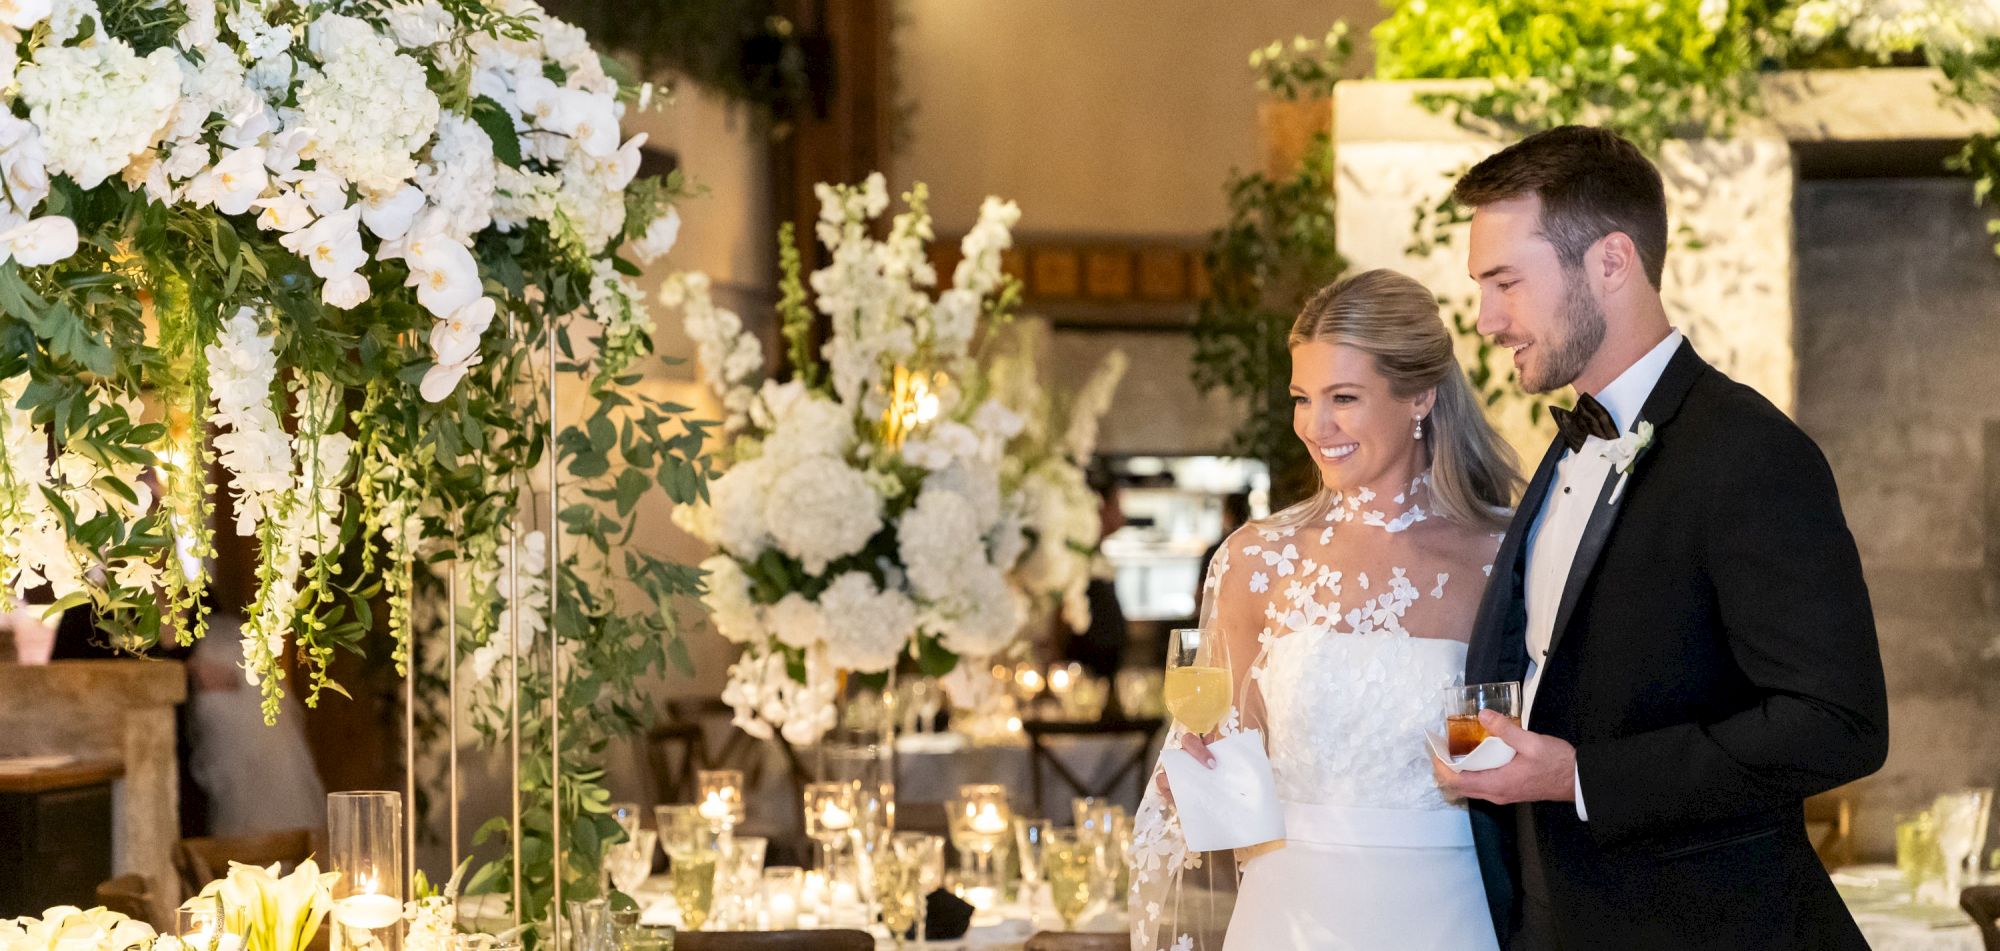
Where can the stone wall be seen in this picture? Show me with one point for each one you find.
(1899, 381)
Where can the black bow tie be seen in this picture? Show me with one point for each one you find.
(1588, 419)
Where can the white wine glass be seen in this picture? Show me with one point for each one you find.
(1197, 690)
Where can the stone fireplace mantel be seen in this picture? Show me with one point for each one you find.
(1733, 294)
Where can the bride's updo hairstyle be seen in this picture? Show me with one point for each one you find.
(1394, 319)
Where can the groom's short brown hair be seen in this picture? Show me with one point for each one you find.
(1591, 182)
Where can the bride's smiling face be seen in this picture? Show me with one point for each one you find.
(1358, 432)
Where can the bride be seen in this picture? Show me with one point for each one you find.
(1344, 618)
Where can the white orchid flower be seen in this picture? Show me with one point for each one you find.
(456, 338)
(332, 245)
(23, 14)
(390, 214)
(324, 191)
(234, 184)
(444, 273)
(538, 97)
(590, 120)
(287, 211)
(248, 125)
(660, 237)
(345, 291)
(624, 164)
(44, 240)
(282, 149)
(440, 380)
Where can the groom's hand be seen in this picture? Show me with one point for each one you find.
(1543, 768)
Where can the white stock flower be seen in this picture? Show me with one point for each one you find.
(820, 509)
(99, 104)
(256, 450)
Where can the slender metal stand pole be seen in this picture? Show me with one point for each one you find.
(451, 688)
(555, 662)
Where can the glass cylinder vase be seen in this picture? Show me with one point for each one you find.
(364, 844)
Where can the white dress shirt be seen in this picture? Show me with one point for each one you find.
(1572, 494)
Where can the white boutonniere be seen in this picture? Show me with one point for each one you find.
(1624, 453)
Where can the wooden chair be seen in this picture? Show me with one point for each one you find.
(203, 860)
(1830, 824)
(1079, 941)
(1982, 902)
(1139, 733)
(131, 895)
(676, 749)
(839, 939)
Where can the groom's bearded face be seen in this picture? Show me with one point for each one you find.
(1577, 333)
(1529, 302)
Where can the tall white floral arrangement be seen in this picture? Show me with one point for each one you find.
(873, 507)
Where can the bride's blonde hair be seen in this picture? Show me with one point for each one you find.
(1394, 319)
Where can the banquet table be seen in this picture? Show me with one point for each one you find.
(1006, 927)
(1880, 902)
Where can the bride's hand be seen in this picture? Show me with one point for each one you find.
(1197, 748)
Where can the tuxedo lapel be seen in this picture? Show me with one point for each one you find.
(1673, 386)
(1499, 651)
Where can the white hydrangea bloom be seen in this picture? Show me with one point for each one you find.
(796, 621)
(736, 498)
(865, 628)
(819, 509)
(99, 104)
(939, 540)
(369, 104)
(727, 597)
(461, 176)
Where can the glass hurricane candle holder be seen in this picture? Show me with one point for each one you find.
(364, 845)
(721, 796)
(981, 822)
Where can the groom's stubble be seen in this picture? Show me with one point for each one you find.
(1580, 332)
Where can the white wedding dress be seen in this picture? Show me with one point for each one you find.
(1374, 855)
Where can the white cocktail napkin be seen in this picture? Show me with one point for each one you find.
(1491, 753)
(1231, 806)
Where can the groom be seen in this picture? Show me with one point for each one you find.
(1678, 594)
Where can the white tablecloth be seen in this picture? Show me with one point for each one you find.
(1880, 902)
(1006, 928)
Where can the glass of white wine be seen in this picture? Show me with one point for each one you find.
(1198, 679)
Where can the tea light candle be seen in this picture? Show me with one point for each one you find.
(981, 897)
(714, 809)
(370, 911)
(845, 895)
(835, 819)
(782, 911)
(988, 821)
(814, 893)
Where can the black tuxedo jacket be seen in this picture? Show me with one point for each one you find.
(1714, 662)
